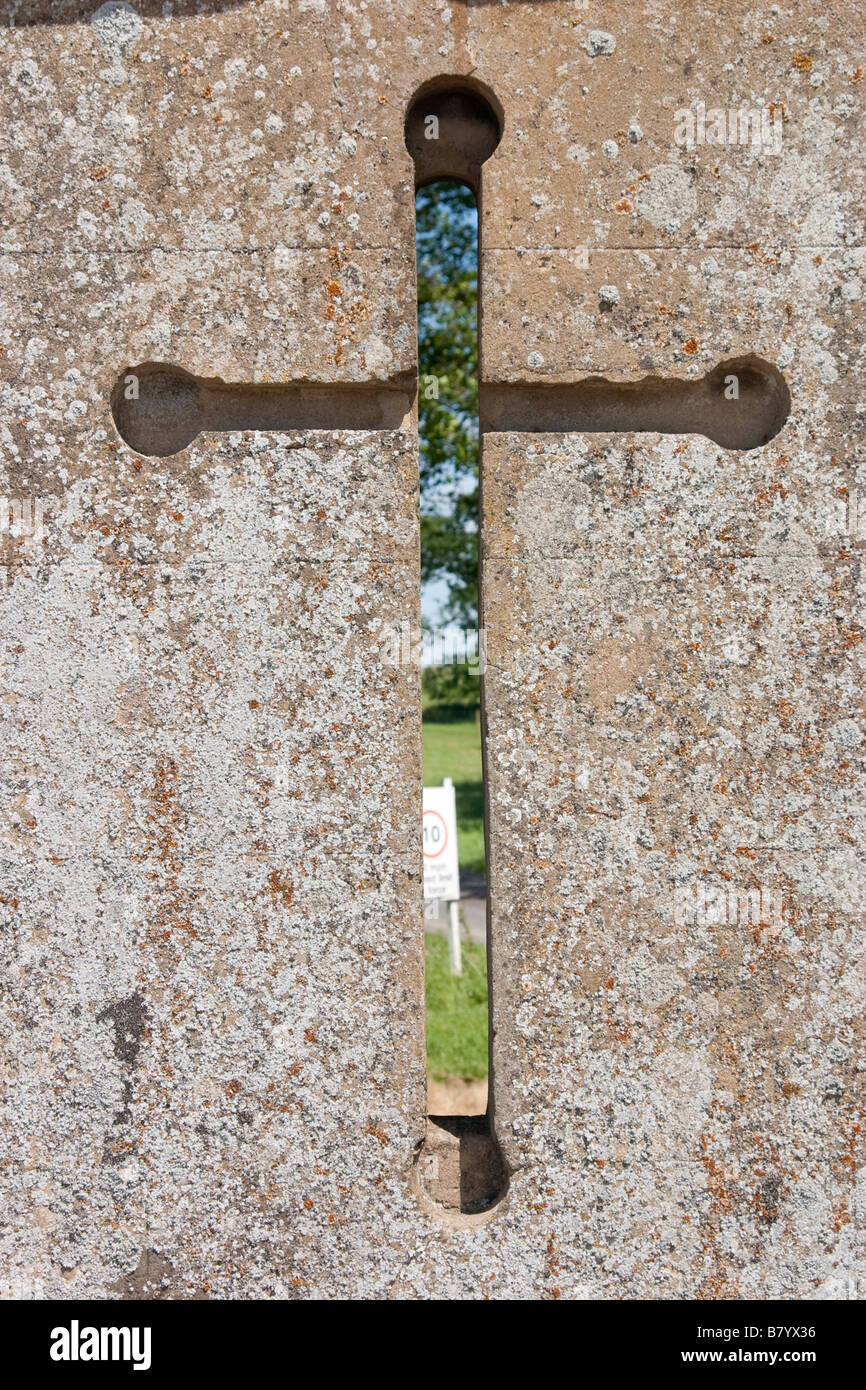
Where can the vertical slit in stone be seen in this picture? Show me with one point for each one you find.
(452, 127)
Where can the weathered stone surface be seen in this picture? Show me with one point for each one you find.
(678, 314)
(212, 933)
(672, 707)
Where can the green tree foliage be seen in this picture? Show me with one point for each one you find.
(450, 692)
(447, 238)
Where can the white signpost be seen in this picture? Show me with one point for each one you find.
(441, 870)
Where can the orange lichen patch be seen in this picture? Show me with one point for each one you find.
(691, 347)
(623, 206)
(280, 887)
(722, 1203)
(760, 255)
(378, 1133)
(841, 1214)
(802, 62)
(339, 254)
(167, 819)
(848, 1160)
(99, 174)
(765, 499)
(167, 814)
(345, 318)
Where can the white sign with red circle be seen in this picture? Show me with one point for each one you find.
(439, 843)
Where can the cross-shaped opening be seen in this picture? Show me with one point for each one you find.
(453, 125)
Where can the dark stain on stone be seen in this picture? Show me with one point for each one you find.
(121, 1116)
(128, 1018)
(150, 1279)
(771, 1194)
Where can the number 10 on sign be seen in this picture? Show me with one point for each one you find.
(439, 849)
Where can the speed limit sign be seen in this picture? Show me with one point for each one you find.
(434, 833)
(439, 843)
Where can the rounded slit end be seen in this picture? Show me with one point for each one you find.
(740, 404)
(157, 408)
(453, 125)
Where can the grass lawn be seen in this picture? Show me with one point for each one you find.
(456, 1012)
(454, 750)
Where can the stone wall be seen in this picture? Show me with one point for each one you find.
(213, 1016)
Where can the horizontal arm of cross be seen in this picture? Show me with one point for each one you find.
(741, 404)
(159, 408)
